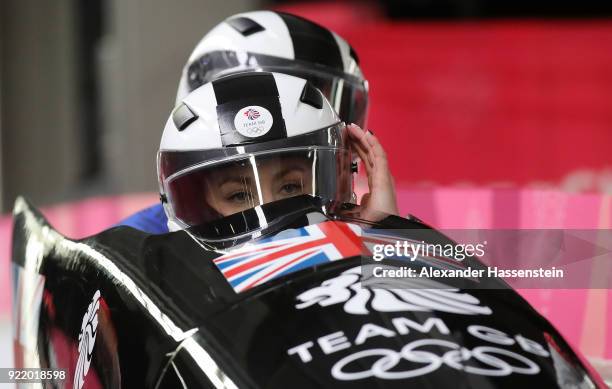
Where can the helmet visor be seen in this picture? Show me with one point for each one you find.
(210, 191)
(347, 92)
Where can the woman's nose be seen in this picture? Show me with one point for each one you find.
(268, 195)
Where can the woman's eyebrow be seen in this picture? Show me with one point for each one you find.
(288, 170)
(233, 180)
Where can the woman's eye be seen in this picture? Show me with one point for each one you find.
(291, 188)
(239, 197)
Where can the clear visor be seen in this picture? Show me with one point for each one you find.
(210, 191)
(347, 93)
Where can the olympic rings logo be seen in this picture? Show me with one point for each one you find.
(490, 359)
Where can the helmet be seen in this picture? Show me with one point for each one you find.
(249, 139)
(283, 43)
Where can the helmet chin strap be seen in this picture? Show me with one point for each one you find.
(173, 226)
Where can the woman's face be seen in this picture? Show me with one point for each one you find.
(233, 189)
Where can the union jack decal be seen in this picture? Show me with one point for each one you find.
(288, 252)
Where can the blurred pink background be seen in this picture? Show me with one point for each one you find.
(583, 316)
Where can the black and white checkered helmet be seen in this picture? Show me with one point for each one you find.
(282, 43)
(248, 139)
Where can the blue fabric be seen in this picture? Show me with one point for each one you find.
(152, 220)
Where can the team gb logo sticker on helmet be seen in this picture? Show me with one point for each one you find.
(253, 121)
(87, 340)
(252, 114)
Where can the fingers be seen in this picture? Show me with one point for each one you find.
(377, 152)
(372, 154)
(365, 200)
(363, 151)
(368, 143)
(357, 138)
(360, 144)
(368, 168)
(380, 181)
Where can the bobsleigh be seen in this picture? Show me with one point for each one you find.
(283, 304)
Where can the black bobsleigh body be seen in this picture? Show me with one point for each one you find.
(280, 308)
